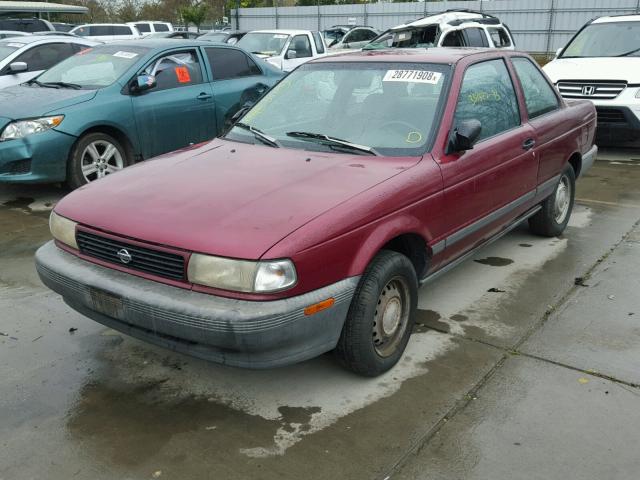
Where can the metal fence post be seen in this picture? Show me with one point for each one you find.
(552, 12)
(238, 15)
(366, 14)
(275, 4)
(320, 23)
(638, 6)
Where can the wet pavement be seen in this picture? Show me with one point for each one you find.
(513, 371)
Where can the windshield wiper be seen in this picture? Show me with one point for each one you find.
(40, 84)
(75, 86)
(259, 134)
(629, 53)
(332, 141)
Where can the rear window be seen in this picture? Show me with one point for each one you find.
(499, 37)
(121, 30)
(144, 27)
(161, 27)
(30, 25)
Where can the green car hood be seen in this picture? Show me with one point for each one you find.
(28, 102)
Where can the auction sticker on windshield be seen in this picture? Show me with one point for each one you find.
(128, 55)
(421, 76)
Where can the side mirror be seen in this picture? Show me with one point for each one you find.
(464, 136)
(291, 54)
(558, 52)
(18, 67)
(142, 83)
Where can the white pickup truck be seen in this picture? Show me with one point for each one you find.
(284, 49)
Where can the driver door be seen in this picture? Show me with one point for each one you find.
(301, 44)
(180, 110)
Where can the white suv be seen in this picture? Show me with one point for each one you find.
(107, 32)
(451, 28)
(601, 63)
(146, 27)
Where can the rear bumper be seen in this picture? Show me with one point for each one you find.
(232, 332)
(38, 158)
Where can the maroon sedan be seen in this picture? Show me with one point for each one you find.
(310, 225)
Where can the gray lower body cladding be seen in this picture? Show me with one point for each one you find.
(233, 332)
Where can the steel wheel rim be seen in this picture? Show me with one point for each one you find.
(562, 200)
(100, 158)
(391, 317)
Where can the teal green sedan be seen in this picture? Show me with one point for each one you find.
(114, 105)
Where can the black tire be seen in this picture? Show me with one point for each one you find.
(75, 176)
(358, 348)
(547, 222)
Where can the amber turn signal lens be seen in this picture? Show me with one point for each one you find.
(320, 306)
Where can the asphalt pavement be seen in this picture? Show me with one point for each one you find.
(523, 364)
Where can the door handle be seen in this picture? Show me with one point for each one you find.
(528, 144)
(204, 96)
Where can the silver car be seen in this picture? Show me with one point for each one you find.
(24, 58)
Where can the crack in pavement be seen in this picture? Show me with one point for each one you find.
(471, 394)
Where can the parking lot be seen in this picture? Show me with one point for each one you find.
(523, 364)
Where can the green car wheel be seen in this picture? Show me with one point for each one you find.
(95, 156)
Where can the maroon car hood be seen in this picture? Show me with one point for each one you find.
(225, 198)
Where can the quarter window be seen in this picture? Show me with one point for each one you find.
(121, 30)
(538, 94)
(143, 27)
(318, 41)
(161, 27)
(178, 69)
(229, 63)
(499, 37)
(487, 95)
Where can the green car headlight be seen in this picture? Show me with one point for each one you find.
(23, 128)
(241, 275)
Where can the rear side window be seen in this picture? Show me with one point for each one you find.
(143, 27)
(44, 57)
(99, 30)
(476, 37)
(500, 37)
(453, 39)
(538, 94)
(487, 95)
(317, 39)
(227, 63)
(161, 27)
(121, 30)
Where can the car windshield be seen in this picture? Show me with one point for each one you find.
(388, 107)
(605, 40)
(94, 68)
(417, 37)
(7, 49)
(216, 37)
(263, 43)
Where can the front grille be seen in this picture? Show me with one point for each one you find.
(610, 115)
(155, 262)
(596, 90)
(17, 167)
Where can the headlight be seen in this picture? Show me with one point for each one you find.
(63, 230)
(22, 128)
(241, 275)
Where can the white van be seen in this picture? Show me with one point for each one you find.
(146, 27)
(107, 32)
(601, 63)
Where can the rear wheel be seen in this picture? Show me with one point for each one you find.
(381, 316)
(95, 156)
(556, 210)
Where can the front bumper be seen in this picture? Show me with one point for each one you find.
(38, 158)
(233, 332)
(588, 159)
(617, 126)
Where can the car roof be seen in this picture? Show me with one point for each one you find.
(16, 32)
(282, 31)
(445, 18)
(103, 25)
(160, 43)
(27, 39)
(617, 18)
(447, 55)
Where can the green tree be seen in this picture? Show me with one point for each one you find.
(195, 14)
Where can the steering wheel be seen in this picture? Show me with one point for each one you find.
(413, 134)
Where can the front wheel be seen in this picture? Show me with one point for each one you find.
(556, 210)
(381, 316)
(94, 156)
